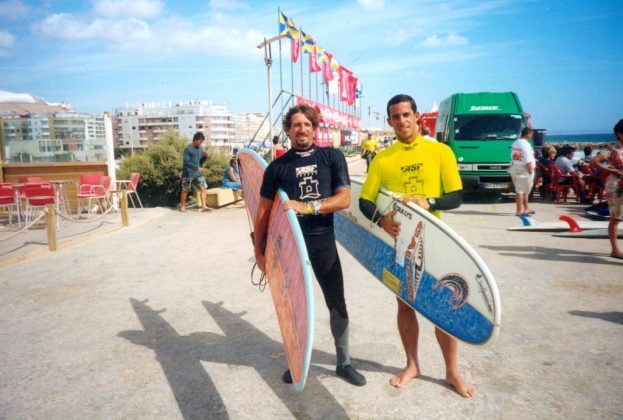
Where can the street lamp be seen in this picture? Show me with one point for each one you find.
(369, 113)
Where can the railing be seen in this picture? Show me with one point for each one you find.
(50, 213)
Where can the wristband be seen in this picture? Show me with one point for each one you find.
(310, 209)
(316, 206)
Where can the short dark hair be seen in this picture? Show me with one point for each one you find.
(276, 140)
(401, 98)
(310, 113)
(198, 136)
(566, 149)
(618, 127)
(525, 131)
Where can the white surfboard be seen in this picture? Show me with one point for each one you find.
(565, 224)
(429, 266)
(589, 234)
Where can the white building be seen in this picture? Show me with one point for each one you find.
(138, 126)
(247, 125)
(60, 137)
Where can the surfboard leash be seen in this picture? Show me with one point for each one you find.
(261, 284)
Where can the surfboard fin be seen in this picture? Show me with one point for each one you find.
(526, 221)
(573, 224)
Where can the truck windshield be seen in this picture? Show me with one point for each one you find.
(487, 127)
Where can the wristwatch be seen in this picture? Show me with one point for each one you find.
(432, 203)
(316, 206)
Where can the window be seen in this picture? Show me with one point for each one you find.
(487, 127)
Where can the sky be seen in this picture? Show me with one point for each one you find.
(564, 58)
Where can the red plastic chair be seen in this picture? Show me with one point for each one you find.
(561, 190)
(130, 185)
(9, 199)
(90, 191)
(38, 196)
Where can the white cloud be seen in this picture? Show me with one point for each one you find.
(451, 40)
(13, 10)
(228, 5)
(141, 9)
(65, 26)
(7, 40)
(165, 36)
(372, 5)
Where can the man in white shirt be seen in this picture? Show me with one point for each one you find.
(522, 171)
(563, 162)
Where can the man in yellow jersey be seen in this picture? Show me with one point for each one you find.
(368, 149)
(426, 174)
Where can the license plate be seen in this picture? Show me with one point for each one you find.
(495, 185)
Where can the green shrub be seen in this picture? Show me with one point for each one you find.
(160, 166)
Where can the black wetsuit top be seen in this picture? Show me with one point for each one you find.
(313, 174)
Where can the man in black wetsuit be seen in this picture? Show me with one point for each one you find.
(317, 183)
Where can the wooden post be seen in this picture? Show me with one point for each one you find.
(125, 217)
(50, 222)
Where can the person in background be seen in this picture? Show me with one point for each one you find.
(563, 162)
(588, 154)
(192, 172)
(231, 176)
(522, 171)
(368, 150)
(278, 149)
(426, 174)
(549, 155)
(426, 134)
(614, 186)
(317, 181)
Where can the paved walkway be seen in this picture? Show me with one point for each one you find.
(160, 319)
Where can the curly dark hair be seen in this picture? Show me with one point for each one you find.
(308, 111)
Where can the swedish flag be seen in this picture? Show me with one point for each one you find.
(287, 26)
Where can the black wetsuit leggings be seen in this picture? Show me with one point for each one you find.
(328, 270)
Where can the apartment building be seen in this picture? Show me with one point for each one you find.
(136, 127)
(58, 137)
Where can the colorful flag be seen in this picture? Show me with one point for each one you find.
(285, 24)
(327, 73)
(313, 61)
(307, 43)
(344, 83)
(295, 45)
(287, 27)
(352, 92)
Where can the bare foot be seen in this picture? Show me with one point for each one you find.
(401, 379)
(462, 387)
(182, 209)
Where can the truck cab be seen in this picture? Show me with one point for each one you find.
(480, 129)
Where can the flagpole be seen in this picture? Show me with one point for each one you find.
(280, 65)
(316, 86)
(268, 60)
(301, 58)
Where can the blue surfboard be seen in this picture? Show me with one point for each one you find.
(429, 267)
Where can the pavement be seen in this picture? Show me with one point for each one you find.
(160, 320)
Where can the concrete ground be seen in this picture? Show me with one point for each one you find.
(160, 320)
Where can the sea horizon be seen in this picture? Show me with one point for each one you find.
(595, 137)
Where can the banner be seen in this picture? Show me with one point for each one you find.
(331, 117)
(327, 73)
(313, 61)
(344, 86)
(296, 49)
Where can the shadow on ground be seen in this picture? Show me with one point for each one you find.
(243, 345)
